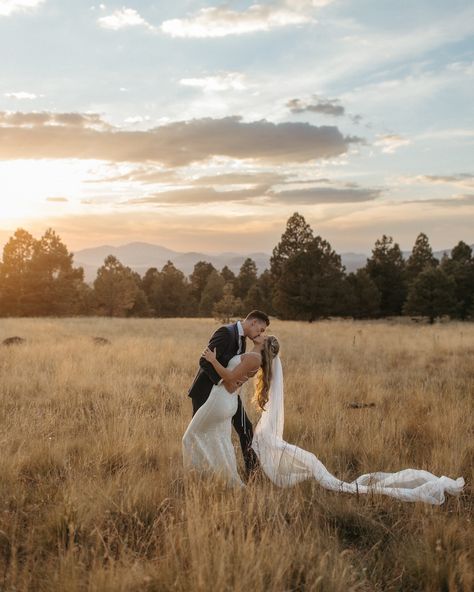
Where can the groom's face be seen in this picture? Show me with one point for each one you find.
(256, 328)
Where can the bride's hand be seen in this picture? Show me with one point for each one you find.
(209, 354)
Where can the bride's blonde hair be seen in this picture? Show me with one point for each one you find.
(264, 376)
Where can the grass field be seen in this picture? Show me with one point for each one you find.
(92, 491)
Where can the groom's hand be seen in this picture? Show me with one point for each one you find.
(231, 387)
(228, 386)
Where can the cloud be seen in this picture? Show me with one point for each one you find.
(123, 18)
(454, 201)
(9, 7)
(390, 143)
(198, 195)
(86, 136)
(446, 134)
(460, 180)
(57, 199)
(368, 48)
(208, 194)
(221, 82)
(326, 195)
(148, 175)
(319, 105)
(220, 21)
(136, 119)
(257, 178)
(21, 95)
(47, 120)
(244, 177)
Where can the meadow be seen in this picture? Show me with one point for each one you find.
(93, 496)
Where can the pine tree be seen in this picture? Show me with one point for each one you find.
(228, 275)
(115, 288)
(296, 238)
(362, 297)
(38, 277)
(246, 279)
(199, 277)
(386, 267)
(212, 293)
(311, 283)
(421, 257)
(148, 280)
(17, 296)
(432, 294)
(260, 295)
(265, 290)
(228, 306)
(169, 292)
(460, 266)
(57, 283)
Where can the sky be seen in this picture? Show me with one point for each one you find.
(202, 126)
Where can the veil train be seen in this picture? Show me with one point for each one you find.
(286, 464)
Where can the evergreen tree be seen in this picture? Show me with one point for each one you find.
(265, 286)
(201, 272)
(228, 275)
(246, 279)
(148, 280)
(311, 283)
(57, 283)
(170, 292)
(228, 306)
(85, 300)
(17, 296)
(115, 288)
(213, 292)
(141, 307)
(260, 295)
(432, 294)
(296, 238)
(362, 297)
(386, 267)
(421, 257)
(38, 277)
(460, 266)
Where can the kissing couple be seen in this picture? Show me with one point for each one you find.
(224, 367)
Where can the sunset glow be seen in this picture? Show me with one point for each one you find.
(205, 126)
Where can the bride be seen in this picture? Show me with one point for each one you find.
(207, 444)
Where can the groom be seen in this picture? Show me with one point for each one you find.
(228, 341)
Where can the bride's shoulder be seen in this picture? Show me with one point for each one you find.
(252, 358)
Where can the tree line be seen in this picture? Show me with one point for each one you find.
(305, 281)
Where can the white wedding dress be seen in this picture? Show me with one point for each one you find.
(207, 442)
(207, 447)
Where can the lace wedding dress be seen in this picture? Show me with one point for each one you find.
(207, 442)
(286, 464)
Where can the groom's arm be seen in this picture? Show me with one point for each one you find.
(219, 342)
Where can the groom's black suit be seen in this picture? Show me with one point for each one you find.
(225, 342)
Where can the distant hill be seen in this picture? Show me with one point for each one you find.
(141, 256)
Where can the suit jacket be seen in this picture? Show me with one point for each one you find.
(225, 341)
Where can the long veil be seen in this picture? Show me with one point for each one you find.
(286, 464)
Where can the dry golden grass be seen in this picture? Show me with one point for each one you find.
(92, 491)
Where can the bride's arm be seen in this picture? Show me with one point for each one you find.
(248, 366)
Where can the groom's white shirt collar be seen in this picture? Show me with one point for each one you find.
(240, 329)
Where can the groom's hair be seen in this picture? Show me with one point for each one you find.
(258, 314)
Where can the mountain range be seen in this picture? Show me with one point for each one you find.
(141, 256)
